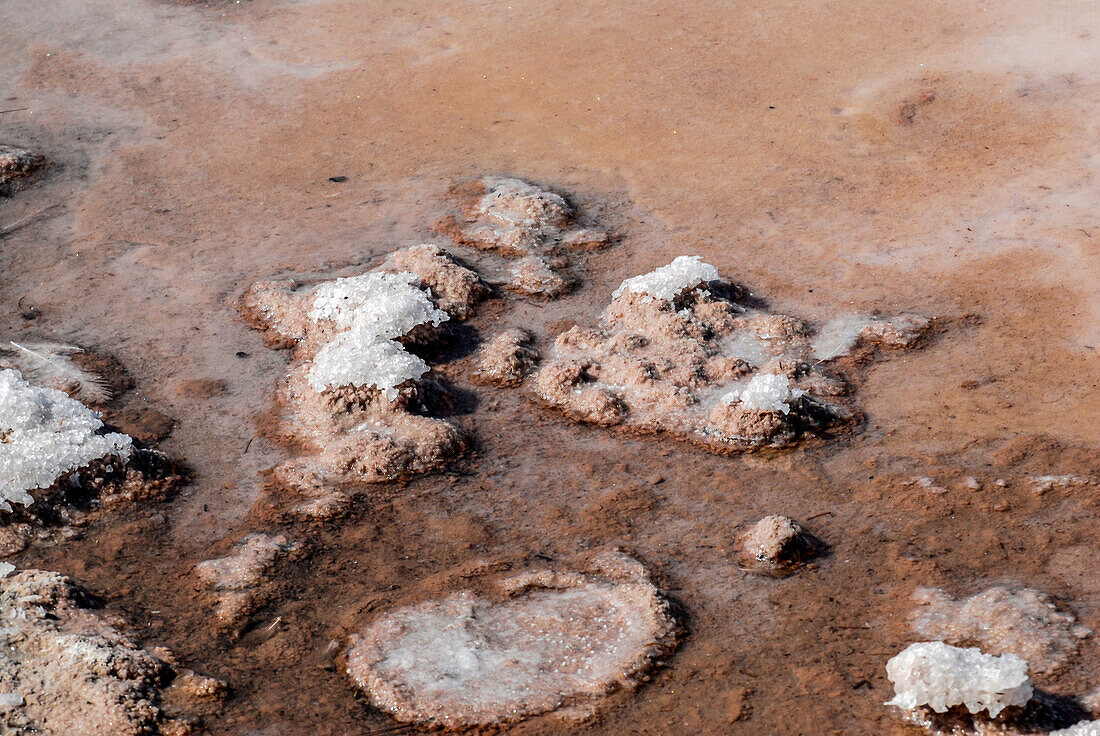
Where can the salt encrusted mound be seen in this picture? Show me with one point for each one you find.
(357, 394)
(517, 219)
(16, 163)
(455, 288)
(1025, 622)
(542, 641)
(777, 543)
(942, 676)
(238, 580)
(57, 464)
(46, 435)
(506, 359)
(66, 671)
(681, 351)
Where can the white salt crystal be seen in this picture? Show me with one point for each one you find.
(388, 304)
(6, 568)
(10, 700)
(765, 392)
(941, 676)
(360, 358)
(43, 435)
(371, 309)
(668, 282)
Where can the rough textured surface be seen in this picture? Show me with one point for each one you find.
(70, 672)
(547, 639)
(239, 580)
(1000, 620)
(356, 395)
(680, 351)
(506, 358)
(942, 676)
(778, 543)
(517, 219)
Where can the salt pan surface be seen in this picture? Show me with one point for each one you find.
(941, 676)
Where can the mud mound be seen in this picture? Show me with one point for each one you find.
(66, 671)
(517, 219)
(681, 351)
(239, 580)
(357, 398)
(506, 358)
(544, 640)
(777, 545)
(1025, 622)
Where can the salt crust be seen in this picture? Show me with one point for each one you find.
(545, 640)
(506, 358)
(45, 434)
(69, 672)
(765, 392)
(679, 350)
(1024, 622)
(942, 676)
(668, 282)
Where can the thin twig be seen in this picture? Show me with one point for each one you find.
(9, 229)
(14, 109)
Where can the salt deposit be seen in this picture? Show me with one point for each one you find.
(1084, 728)
(238, 580)
(356, 392)
(506, 358)
(1024, 622)
(942, 676)
(516, 219)
(668, 282)
(539, 641)
(679, 350)
(67, 671)
(57, 464)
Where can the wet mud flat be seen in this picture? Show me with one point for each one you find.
(948, 174)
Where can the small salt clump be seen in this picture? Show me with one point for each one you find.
(506, 359)
(45, 434)
(766, 392)
(942, 676)
(668, 282)
(1084, 728)
(16, 163)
